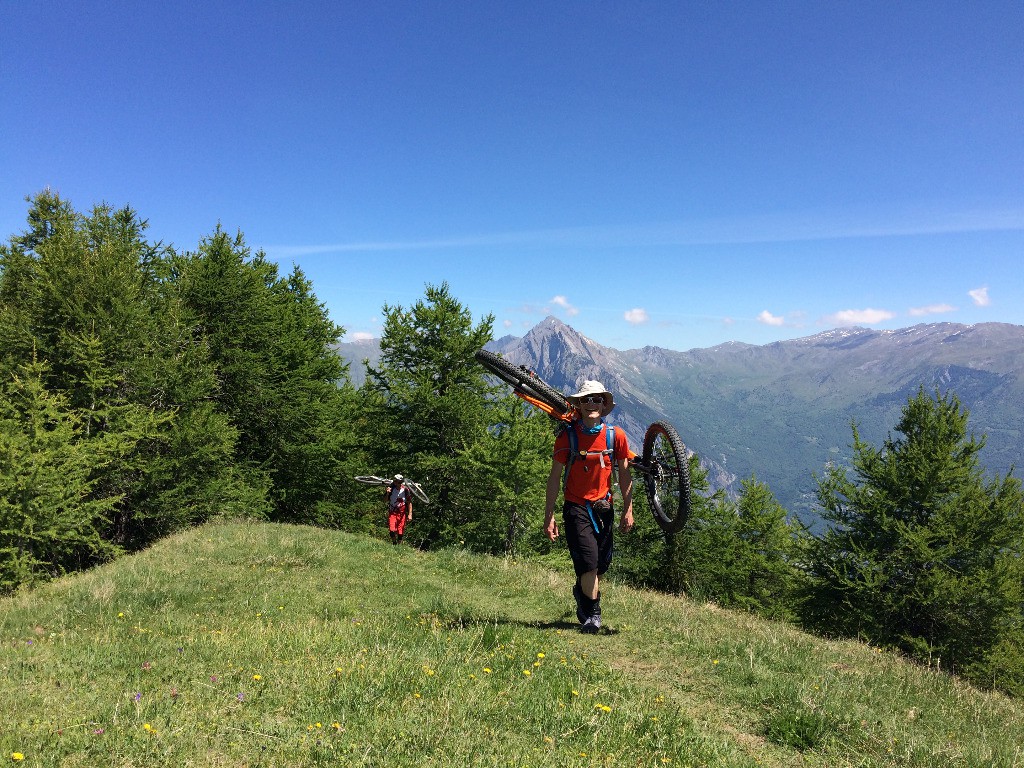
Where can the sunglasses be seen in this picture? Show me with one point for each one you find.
(592, 400)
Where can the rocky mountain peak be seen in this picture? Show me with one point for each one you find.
(556, 351)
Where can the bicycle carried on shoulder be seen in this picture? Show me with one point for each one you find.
(663, 464)
(416, 488)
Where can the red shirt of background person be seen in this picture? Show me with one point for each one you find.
(399, 501)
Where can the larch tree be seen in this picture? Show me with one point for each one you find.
(429, 400)
(923, 550)
(95, 304)
(270, 341)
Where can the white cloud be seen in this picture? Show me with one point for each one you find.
(728, 322)
(848, 317)
(931, 309)
(980, 296)
(768, 318)
(563, 302)
(507, 323)
(636, 316)
(361, 336)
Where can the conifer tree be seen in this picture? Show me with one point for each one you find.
(429, 400)
(270, 340)
(52, 514)
(923, 551)
(97, 304)
(502, 476)
(741, 553)
(647, 557)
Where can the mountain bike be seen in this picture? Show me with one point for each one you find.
(416, 488)
(663, 465)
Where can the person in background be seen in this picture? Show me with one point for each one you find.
(399, 501)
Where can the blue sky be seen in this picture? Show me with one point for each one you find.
(671, 173)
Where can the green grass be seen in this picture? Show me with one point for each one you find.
(268, 645)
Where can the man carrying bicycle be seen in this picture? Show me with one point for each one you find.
(582, 462)
(399, 501)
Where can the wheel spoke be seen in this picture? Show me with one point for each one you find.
(667, 481)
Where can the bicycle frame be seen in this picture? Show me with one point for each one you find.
(568, 417)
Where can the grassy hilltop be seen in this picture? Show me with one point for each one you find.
(269, 645)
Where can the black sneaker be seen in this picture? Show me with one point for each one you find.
(591, 625)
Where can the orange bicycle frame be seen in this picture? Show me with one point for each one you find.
(566, 417)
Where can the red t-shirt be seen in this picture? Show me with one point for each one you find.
(587, 480)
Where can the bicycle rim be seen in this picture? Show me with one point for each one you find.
(524, 381)
(417, 491)
(667, 480)
(372, 480)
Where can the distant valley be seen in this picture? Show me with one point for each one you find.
(782, 411)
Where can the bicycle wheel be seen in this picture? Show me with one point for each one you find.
(667, 479)
(417, 491)
(522, 379)
(372, 479)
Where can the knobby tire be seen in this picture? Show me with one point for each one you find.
(524, 381)
(667, 479)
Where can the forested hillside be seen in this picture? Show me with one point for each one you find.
(147, 390)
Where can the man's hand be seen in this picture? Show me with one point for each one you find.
(626, 521)
(551, 527)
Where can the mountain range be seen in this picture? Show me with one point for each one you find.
(783, 411)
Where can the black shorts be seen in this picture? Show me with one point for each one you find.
(590, 549)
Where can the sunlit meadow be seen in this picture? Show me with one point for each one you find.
(247, 645)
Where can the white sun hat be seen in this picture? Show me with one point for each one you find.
(590, 387)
